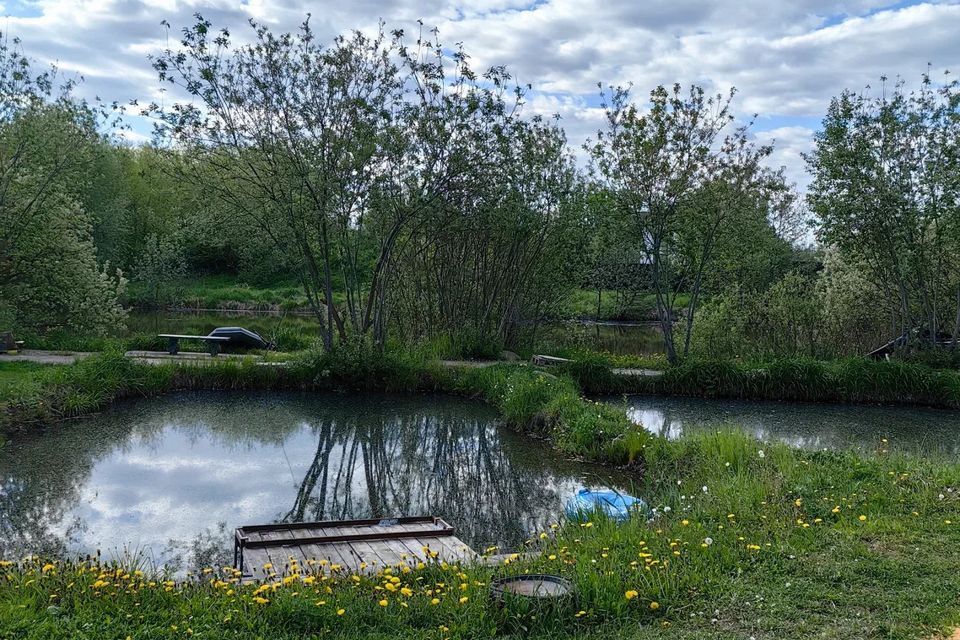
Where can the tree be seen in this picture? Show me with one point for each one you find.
(683, 182)
(295, 135)
(49, 275)
(886, 194)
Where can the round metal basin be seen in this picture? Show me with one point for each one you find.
(535, 586)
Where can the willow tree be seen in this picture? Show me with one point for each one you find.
(682, 171)
(492, 249)
(886, 194)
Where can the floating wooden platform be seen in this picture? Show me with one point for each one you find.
(351, 546)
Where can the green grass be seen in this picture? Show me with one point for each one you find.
(583, 304)
(857, 380)
(20, 378)
(749, 539)
(223, 292)
(775, 547)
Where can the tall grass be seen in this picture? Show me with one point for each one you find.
(800, 379)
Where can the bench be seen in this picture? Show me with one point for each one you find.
(10, 345)
(173, 342)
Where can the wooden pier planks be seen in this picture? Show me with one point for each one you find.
(355, 546)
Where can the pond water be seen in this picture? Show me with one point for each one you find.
(805, 425)
(171, 477)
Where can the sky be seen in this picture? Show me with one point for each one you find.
(786, 59)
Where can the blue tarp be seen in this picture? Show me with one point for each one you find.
(612, 504)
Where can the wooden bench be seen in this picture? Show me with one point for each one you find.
(10, 345)
(173, 342)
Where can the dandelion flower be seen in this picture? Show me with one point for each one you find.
(862, 518)
(340, 612)
(654, 605)
(383, 603)
(631, 594)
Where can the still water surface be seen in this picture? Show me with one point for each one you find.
(812, 426)
(171, 477)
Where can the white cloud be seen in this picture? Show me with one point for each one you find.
(786, 58)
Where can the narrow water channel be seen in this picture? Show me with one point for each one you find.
(916, 430)
(169, 478)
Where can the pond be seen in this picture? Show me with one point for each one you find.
(806, 425)
(169, 478)
(622, 338)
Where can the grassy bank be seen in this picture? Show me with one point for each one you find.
(534, 402)
(583, 304)
(749, 539)
(220, 292)
(856, 380)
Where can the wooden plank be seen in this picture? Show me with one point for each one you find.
(402, 552)
(328, 523)
(388, 556)
(374, 543)
(253, 561)
(334, 554)
(367, 553)
(413, 547)
(428, 522)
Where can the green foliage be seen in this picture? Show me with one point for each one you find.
(357, 364)
(737, 521)
(49, 275)
(845, 380)
(225, 292)
(160, 265)
(885, 193)
(546, 405)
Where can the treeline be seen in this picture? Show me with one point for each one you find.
(410, 197)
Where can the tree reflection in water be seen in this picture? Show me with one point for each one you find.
(173, 476)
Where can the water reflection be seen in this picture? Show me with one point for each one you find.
(173, 476)
(805, 425)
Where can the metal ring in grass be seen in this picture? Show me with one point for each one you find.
(535, 586)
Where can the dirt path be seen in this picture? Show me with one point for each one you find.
(45, 357)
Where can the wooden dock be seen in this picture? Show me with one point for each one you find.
(265, 551)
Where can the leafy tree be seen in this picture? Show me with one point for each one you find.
(49, 274)
(160, 266)
(295, 136)
(886, 194)
(682, 180)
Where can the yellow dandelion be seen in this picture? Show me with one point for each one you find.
(631, 594)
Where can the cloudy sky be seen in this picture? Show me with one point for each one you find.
(786, 58)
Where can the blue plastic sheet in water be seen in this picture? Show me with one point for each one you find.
(612, 504)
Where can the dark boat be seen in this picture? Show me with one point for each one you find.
(241, 337)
